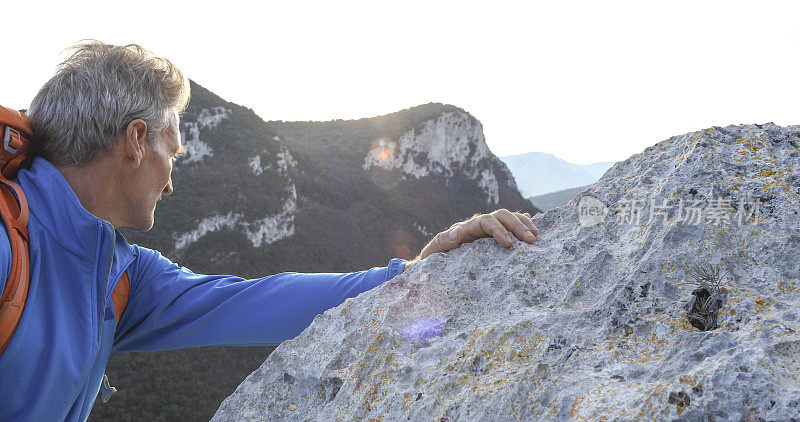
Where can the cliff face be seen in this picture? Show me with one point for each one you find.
(270, 164)
(606, 315)
(386, 184)
(449, 144)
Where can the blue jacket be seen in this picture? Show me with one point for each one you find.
(53, 366)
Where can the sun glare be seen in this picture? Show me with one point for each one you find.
(383, 150)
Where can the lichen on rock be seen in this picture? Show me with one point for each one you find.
(588, 322)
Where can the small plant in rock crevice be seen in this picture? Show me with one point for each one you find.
(708, 297)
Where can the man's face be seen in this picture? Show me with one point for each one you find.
(155, 178)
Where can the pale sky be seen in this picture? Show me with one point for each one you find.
(586, 81)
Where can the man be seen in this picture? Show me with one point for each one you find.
(106, 128)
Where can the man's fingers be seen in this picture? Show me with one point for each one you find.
(490, 225)
(499, 224)
(444, 241)
(526, 220)
(452, 233)
(513, 222)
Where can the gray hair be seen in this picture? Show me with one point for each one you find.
(95, 93)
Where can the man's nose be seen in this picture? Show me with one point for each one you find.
(168, 188)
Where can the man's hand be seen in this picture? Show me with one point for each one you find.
(496, 224)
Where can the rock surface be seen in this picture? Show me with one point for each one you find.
(589, 322)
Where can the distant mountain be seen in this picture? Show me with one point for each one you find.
(538, 173)
(556, 199)
(254, 198)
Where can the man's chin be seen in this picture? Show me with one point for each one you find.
(148, 226)
(144, 226)
(138, 229)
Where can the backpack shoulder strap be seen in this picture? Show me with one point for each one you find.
(120, 296)
(14, 213)
(15, 135)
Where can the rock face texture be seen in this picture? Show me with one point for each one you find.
(591, 321)
(453, 142)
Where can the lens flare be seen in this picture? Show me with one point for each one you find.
(402, 244)
(403, 251)
(383, 164)
(420, 308)
(422, 331)
(382, 152)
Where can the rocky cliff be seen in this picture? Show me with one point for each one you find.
(398, 178)
(666, 290)
(449, 144)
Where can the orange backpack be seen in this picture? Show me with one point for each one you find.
(16, 132)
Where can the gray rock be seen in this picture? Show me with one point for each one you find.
(589, 321)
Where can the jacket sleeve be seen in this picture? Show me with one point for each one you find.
(170, 307)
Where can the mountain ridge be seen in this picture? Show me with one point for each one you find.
(560, 198)
(539, 173)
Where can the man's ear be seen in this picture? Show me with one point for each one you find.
(134, 141)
